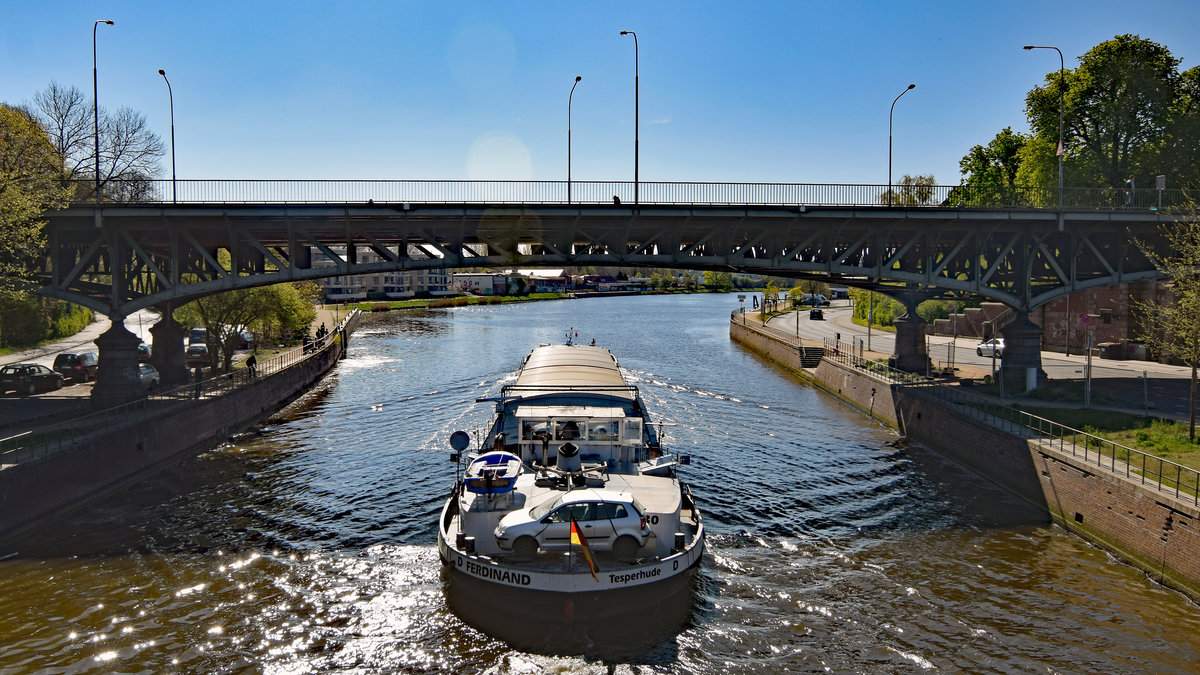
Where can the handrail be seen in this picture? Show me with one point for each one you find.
(398, 192)
(1164, 475)
(44, 442)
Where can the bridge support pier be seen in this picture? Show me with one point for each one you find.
(117, 380)
(910, 353)
(167, 352)
(1021, 368)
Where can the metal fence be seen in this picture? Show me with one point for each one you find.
(1164, 475)
(45, 442)
(389, 192)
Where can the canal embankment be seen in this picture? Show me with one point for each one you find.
(52, 469)
(1143, 509)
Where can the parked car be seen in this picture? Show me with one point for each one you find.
(143, 352)
(81, 366)
(149, 376)
(610, 521)
(196, 355)
(814, 299)
(197, 336)
(816, 314)
(28, 378)
(988, 347)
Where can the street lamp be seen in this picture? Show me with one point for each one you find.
(909, 88)
(571, 96)
(96, 113)
(1061, 150)
(635, 113)
(171, 95)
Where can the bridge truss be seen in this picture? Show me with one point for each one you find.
(149, 254)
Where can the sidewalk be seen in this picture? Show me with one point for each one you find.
(1133, 387)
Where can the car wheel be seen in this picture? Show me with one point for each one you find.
(625, 548)
(525, 547)
(58, 384)
(979, 352)
(29, 389)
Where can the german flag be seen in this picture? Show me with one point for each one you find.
(577, 539)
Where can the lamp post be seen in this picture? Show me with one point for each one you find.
(635, 113)
(893, 109)
(96, 113)
(171, 95)
(1061, 151)
(571, 96)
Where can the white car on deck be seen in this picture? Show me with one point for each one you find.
(609, 520)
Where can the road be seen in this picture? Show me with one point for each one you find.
(1133, 385)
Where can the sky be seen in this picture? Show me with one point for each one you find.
(795, 92)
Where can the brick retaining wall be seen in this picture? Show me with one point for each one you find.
(126, 452)
(1149, 529)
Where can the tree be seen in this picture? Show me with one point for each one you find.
(996, 163)
(268, 311)
(29, 185)
(913, 191)
(129, 150)
(1117, 107)
(1173, 329)
(721, 281)
(1181, 154)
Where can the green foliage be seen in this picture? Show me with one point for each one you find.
(885, 309)
(911, 191)
(996, 163)
(273, 313)
(931, 310)
(68, 319)
(30, 184)
(1125, 111)
(719, 281)
(1173, 328)
(27, 319)
(22, 322)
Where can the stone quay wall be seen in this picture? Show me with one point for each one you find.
(1146, 527)
(124, 451)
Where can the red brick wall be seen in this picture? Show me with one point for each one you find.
(1152, 530)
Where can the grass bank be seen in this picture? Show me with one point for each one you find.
(1166, 439)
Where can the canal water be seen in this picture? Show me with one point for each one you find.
(310, 545)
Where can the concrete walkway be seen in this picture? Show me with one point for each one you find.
(1160, 389)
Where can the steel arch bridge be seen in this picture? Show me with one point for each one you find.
(160, 253)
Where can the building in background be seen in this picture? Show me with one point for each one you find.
(388, 285)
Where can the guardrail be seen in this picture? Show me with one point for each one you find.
(1164, 475)
(843, 353)
(389, 192)
(42, 443)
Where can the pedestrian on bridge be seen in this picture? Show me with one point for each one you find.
(252, 365)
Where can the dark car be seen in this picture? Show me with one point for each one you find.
(815, 314)
(143, 352)
(27, 378)
(77, 366)
(197, 355)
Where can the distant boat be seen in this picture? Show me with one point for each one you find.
(571, 491)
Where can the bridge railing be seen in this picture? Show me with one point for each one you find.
(42, 443)
(390, 192)
(1164, 475)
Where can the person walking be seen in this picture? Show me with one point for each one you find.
(252, 365)
(1131, 191)
(198, 376)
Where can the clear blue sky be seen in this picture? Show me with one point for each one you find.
(730, 91)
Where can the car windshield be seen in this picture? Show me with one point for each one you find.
(545, 507)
